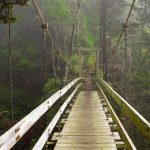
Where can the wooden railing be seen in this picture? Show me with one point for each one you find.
(41, 142)
(138, 120)
(12, 136)
(124, 135)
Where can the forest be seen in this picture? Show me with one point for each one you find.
(35, 64)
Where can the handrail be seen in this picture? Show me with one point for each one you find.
(42, 140)
(13, 135)
(140, 122)
(123, 133)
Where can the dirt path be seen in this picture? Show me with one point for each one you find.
(88, 75)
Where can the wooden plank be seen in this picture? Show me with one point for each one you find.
(142, 124)
(83, 120)
(80, 125)
(86, 127)
(86, 148)
(86, 130)
(12, 136)
(89, 140)
(95, 133)
(111, 137)
(122, 131)
(87, 145)
(120, 144)
(84, 115)
(90, 128)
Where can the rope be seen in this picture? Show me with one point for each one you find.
(125, 40)
(54, 69)
(48, 32)
(126, 22)
(125, 59)
(44, 27)
(10, 63)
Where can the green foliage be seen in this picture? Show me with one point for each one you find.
(51, 86)
(91, 60)
(146, 29)
(22, 104)
(141, 73)
(24, 62)
(26, 57)
(145, 33)
(57, 10)
(75, 63)
(87, 38)
(4, 97)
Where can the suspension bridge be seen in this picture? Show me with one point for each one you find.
(86, 120)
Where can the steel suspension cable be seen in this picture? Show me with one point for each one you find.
(10, 62)
(125, 24)
(54, 69)
(44, 27)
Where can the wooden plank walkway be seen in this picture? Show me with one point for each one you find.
(86, 127)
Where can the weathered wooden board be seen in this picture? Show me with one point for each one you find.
(86, 126)
(115, 136)
(81, 145)
(85, 148)
(12, 136)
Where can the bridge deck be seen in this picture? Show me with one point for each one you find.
(87, 126)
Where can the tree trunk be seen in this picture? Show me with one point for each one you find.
(101, 34)
(72, 40)
(104, 40)
(74, 26)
